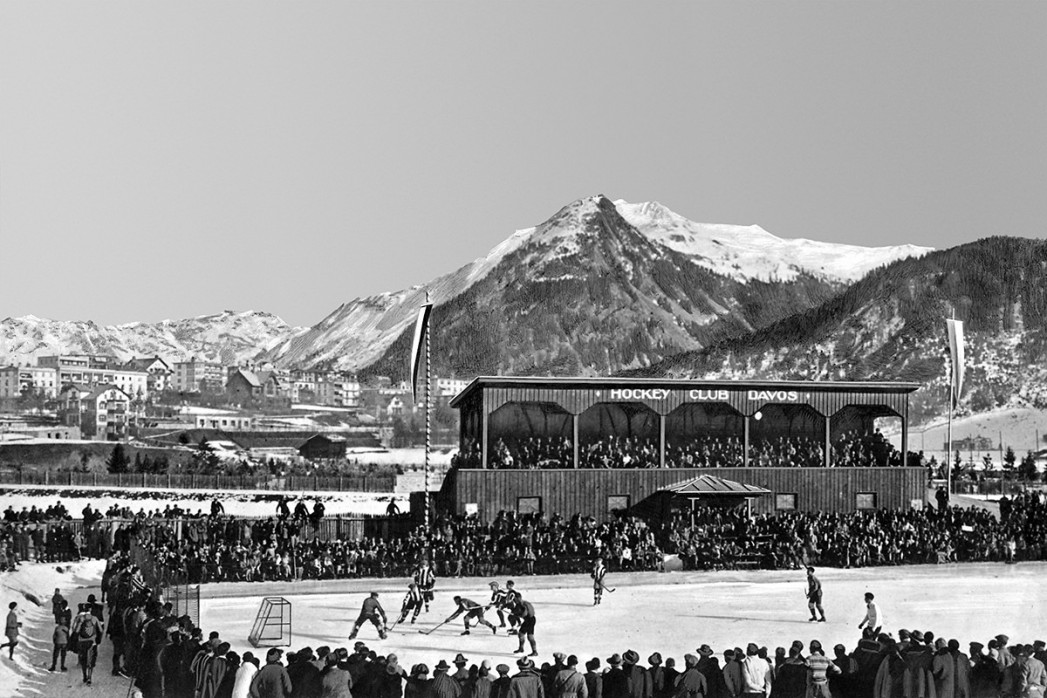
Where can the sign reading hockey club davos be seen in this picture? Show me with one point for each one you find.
(697, 395)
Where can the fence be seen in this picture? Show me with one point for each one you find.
(995, 486)
(289, 483)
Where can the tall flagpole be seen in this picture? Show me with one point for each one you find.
(948, 437)
(428, 419)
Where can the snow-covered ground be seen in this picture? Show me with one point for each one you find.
(1021, 428)
(671, 613)
(236, 502)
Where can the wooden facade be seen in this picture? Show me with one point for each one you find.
(597, 492)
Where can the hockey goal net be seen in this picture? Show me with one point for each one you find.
(272, 625)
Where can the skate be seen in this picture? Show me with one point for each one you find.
(533, 654)
(494, 630)
(352, 635)
(822, 619)
(465, 632)
(518, 651)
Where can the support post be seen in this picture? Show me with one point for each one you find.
(661, 441)
(574, 440)
(827, 461)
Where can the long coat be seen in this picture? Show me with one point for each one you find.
(691, 684)
(526, 684)
(336, 682)
(615, 684)
(943, 670)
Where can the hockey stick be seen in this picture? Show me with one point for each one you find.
(430, 631)
(607, 588)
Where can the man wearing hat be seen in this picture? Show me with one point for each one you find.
(615, 682)
(656, 676)
(691, 683)
(568, 683)
(443, 685)
(943, 670)
(639, 681)
(918, 662)
(370, 611)
(593, 680)
(527, 683)
(709, 667)
(272, 680)
(482, 684)
(461, 674)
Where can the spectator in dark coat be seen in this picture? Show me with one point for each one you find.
(709, 666)
(593, 680)
(639, 681)
(302, 672)
(418, 682)
(335, 679)
(527, 683)
(272, 680)
(443, 685)
(391, 681)
(500, 688)
(656, 677)
(615, 682)
(691, 683)
(483, 685)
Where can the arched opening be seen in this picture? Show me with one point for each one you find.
(783, 435)
(860, 436)
(707, 435)
(530, 435)
(618, 435)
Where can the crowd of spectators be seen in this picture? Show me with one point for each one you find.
(169, 656)
(851, 449)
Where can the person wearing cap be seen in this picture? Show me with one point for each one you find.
(390, 681)
(814, 596)
(12, 629)
(943, 670)
(757, 677)
(691, 683)
(549, 672)
(272, 680)
(413, 601)
(372, 611)
(593, 679)
(1004, 657)
(444, 686)
(820, 668)
(639, 681)
(500, 687)
(568, 683)
(473, 610)
(873, 616)
(527, 682)
(418, 682)
(86, 632)
(615, 682)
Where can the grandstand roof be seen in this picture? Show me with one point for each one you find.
(583, 382)
(711, 485)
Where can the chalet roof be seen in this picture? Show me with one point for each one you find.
(330, 438)
(249, 376)
(101, 388)
(707, 485)
(143, 363)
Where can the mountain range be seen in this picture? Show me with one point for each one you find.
(598, 288)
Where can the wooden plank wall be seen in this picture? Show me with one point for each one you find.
(585, 491)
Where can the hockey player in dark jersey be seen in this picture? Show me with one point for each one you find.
(525, 611)
(598, 573)
(425, 578)
(413, 601)
(371, 611)
(814, 596)
(473, 610)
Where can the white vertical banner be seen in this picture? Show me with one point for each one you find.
(955, 328)
(421, 326)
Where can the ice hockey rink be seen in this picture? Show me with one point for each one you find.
(672, 613)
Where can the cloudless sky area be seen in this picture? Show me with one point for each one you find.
(171, 159)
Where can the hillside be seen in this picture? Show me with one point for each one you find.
(890, 326)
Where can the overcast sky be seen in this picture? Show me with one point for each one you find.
(170, 159)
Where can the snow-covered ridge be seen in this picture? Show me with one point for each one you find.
(750, 252)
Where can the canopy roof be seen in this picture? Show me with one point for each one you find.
(707, 485)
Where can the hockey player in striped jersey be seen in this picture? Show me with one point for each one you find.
(498, 602)
(413, 601)
(425, 578)
(598, 573)
(512, 597)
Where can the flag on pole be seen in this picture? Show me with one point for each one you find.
(421, 326)
(956, 352)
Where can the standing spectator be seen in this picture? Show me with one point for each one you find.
(593, 680)
(527, 683)
(245, 676)
(961, 670)
(639, 681)
(656, 675)
(60, 641)
(482, 685)
(691, 683)
(272, 680)
(819, 667)
(335, 679)
(443, 685)
(11, 629)
(568, 683)
(418, 682)
(615, 681)
(709, 667)
(756, 674)
(500, 689)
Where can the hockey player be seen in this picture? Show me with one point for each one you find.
(471, 609)
(814, 596)
(598, 573)
(371, 611)
(425, 578)
(413, 601)
(525, 611)
(512, 598)
(498, 597)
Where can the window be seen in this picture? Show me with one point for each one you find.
(617, 502)
(528, 505)
(785, 501)
(865, 500)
